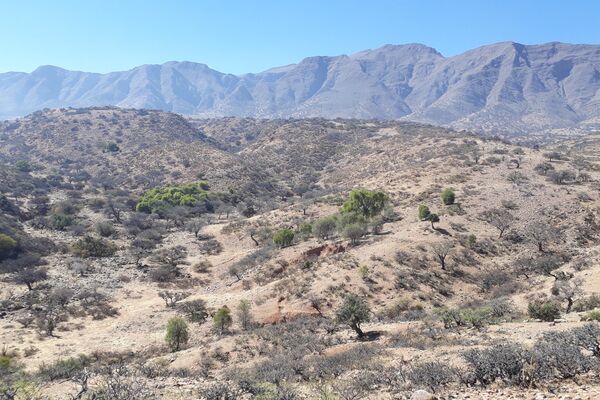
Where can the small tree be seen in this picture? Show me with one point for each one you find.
(354, 232)
(424, 212)
(433, 218)
(194, 226)
(283, 237)
(353, 312)
(541, 233)
(177, 333)
(499, 218)
(325, 227)
(222, 319)
(567, 290)
(195, 310)
(244, 315)
(448, 196)
(235, 271)
(441, 251)
(28, 276)
(115, 208)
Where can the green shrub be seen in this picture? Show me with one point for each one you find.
(592, 316)
(448, 196)
(161, 198)
(305, 229)
(424, 212)
(177, 333)
(60, 222)
(23, 166)
(475, 317)
(111, 147)
(365, 202)
(7, 246)
(544, 310)
(5, 363)
(89, 246)
(283, 237)
(222, 319)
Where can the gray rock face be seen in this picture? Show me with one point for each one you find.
(504, 87)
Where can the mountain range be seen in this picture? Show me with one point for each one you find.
(505, 88)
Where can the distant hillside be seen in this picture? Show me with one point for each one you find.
(505, 88)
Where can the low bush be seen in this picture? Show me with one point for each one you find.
(89, 246)
(448, 196)
(544, 310)
(105, 229)
(63, 369)
(283, 237)
(591, 316)
(431, 374)
(61, 222)
(505, 362)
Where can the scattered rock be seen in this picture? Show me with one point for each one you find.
(422, 395)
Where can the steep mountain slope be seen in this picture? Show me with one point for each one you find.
(504, 88)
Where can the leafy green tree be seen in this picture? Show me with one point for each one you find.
(222, 319)
(7, 246)
(161, 198)
(424, 212)
(177, 333)
(283, 237)
(365, 202)
(448, 196)
(353, 312)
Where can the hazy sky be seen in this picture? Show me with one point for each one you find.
(250, 36)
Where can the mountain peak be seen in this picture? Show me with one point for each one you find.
(501, 87)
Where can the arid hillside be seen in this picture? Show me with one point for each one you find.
(293, 259)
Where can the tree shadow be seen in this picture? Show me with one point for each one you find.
(442, 231)
(370, 336)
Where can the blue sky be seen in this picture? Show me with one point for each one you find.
(250, 36)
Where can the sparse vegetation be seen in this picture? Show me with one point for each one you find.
(280, 281)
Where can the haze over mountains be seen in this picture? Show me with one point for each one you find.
(506, 87)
